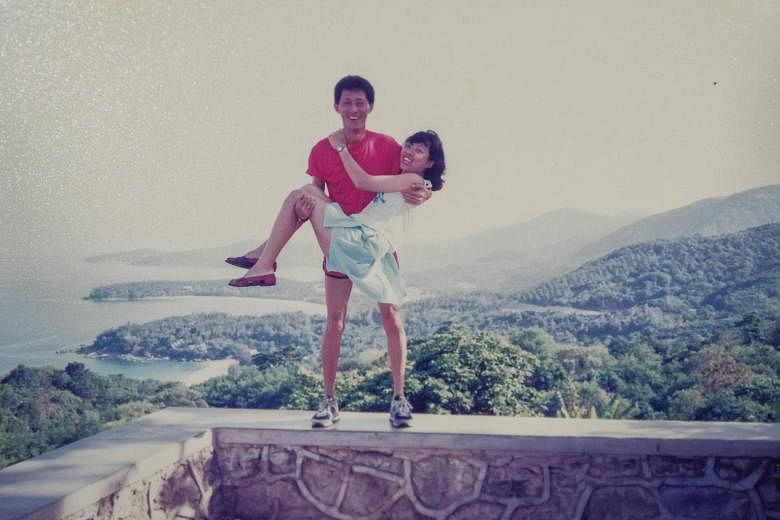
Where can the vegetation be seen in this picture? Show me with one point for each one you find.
(734, 376)
(266, 340)
(289, 290)
(44, 408)
(731, 274)
(684, 330)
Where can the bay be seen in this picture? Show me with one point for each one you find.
(43, 310)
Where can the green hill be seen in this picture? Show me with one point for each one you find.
(44, 408)
(708, 217)
(736, 273)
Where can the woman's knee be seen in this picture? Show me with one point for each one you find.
(294, 197)
(310, 189)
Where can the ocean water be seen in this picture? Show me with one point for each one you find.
(42, 310)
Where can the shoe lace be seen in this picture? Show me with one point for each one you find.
(402, 407)
(326, 405)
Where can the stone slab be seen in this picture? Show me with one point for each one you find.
(67, 479)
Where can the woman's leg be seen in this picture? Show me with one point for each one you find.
(285, 226)
(314, 201)
(255, 253)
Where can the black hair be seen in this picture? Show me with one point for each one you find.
(353, 83)
(435, 153)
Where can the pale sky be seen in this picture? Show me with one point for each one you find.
(181, 124)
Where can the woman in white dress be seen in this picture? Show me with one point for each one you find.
(361, 245)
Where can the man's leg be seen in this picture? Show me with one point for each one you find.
(400, 409)
(336, 297)
(337, 291)
(393, 324)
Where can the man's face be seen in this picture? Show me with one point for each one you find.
(353, 106)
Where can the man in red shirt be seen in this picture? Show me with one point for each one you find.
(377, 154)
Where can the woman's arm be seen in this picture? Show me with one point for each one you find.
(364, 181)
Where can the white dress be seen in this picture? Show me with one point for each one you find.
(362, 245)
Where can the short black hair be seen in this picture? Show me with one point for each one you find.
(353, 83)
(431, 139)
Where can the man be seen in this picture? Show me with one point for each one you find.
(377, 154)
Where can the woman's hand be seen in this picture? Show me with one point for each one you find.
(337, 140)
(417, 194)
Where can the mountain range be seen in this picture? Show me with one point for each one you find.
(516, 257)
(735, 273)
(707, 217)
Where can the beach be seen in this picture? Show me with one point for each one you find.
(208, 369)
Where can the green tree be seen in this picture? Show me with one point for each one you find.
(458, 371)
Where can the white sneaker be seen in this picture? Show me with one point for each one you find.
(400, 413)
(327, 414)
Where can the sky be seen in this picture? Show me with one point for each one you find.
(182, 124)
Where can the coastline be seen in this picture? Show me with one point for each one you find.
(208, 370)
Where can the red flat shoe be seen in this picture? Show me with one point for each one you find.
(265, 280)
(244, 262)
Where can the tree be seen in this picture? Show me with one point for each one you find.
(458, 371)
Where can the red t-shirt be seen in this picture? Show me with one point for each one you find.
(377, 154)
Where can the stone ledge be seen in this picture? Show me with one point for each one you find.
(67, 480)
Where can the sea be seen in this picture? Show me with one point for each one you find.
(44, 314)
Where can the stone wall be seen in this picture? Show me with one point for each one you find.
(223, 464)
(250, 481)
(183, 490)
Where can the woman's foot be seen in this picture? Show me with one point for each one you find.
(263, 280)
(259, 274)
(244, 262)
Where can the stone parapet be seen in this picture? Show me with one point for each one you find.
(214, 463)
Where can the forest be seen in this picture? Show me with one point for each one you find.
(732, 376)
(44, 408)
(685, 329)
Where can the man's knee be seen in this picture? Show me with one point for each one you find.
(335, 323)
(391, 317)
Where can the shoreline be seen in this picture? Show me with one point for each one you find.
(209, 370)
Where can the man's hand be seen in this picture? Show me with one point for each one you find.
(303, 208)
(417, 194)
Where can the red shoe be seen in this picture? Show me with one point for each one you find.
(243, 262)
(264, 280)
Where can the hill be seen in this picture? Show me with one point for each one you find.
(507, 258)
(44, 408)
(735, 273)
(706, 217)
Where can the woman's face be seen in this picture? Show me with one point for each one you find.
(415, 158)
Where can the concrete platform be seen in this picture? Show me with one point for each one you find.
(66, 480)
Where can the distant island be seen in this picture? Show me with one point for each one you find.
(131, 291)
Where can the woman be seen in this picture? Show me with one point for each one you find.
(359, 245)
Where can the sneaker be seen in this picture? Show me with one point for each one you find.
(327, 414)
(400, 413)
